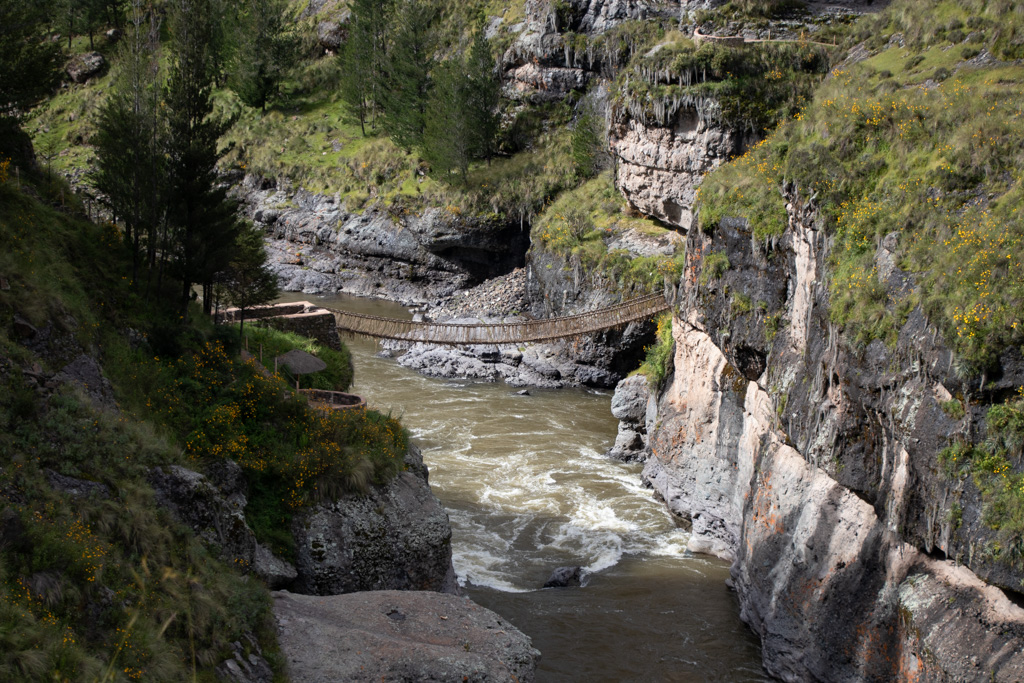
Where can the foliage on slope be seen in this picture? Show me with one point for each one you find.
(920, 144)
(581, 224)
(747, 87)
(108, 586)
(97, 587)
(919, 141)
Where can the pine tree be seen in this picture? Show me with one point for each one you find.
(409, 62)
(129, 166)
(448, 138)
(463, 103)
(28, 63)
(364, 58)
(587, 143)
(483, 90)
(248, 280)
(262, 52)
(203, 221)
(92, 14)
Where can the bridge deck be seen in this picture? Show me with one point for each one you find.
(502, 333)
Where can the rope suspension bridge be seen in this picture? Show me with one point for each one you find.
(548, 329)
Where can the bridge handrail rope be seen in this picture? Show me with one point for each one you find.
(501, 333)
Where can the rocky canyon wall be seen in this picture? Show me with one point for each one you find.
(659, 168)
(813, 465)
(316, 245)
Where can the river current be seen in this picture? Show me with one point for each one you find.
(528, 489)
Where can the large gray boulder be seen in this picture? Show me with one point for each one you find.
(399, 636)
(393, 537)
(84, 66)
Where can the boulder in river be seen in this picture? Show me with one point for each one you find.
(399, 636)
(564, 577)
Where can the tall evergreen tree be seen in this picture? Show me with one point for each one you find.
(448, 138)
(248, 280)
(93, 13)
(262, 51)
(409, 61)
(463, 111)
(28, 67)
(364, 57)
(483, 91)
(203, 221)
(129, 159)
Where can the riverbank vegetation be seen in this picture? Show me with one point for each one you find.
(658, 362)
(96, 579)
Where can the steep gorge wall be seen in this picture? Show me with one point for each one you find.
(814, 467)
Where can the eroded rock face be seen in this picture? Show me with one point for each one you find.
(394, 537)
(659, 169)
(629, 407)
(814, 467)
(399, 636)
(317, 246)
(540, 66)
(217, 516)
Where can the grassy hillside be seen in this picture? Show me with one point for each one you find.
(108, 586)
(923, 140)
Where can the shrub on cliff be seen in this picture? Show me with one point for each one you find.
(657, 364)
(991, 466)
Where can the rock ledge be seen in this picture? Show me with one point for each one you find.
(399, 636)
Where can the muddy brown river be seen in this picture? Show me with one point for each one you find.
(528, 489)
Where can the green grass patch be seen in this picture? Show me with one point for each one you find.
(581, 224)
(714, 267)
(337, 376)
(749, 87)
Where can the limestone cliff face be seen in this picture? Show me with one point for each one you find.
(541, 64)
(813, 466)
(317, 245)
(659, 168)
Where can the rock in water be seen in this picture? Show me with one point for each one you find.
(564, 577)
(399, 636)
(629, 405)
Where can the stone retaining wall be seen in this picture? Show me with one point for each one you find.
(300, 317)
